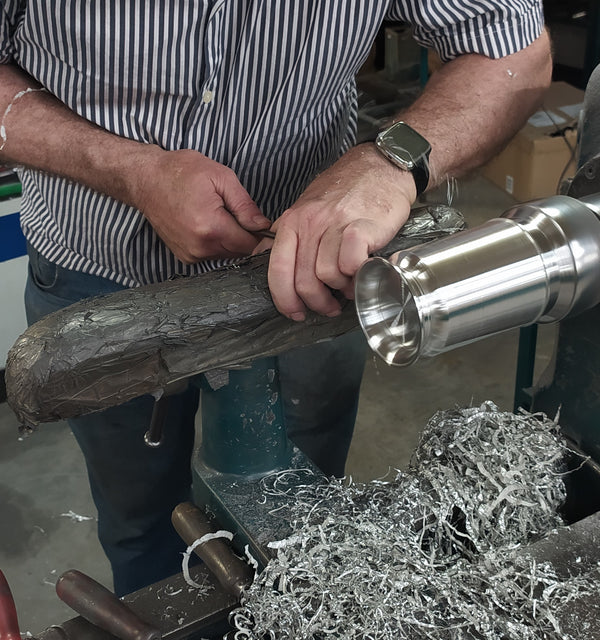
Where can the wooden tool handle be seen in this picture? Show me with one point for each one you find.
(101, 607)
(9, 624)
(233, 573)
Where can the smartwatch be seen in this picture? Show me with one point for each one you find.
(407, 149)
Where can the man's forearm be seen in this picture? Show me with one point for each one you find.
(473, 105)
(196, 205)
(39, 131)
(467, 111)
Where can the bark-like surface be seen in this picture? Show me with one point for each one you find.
(105, 350)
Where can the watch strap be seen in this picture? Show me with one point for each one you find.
(420, 174)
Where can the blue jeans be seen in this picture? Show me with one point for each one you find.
(135, 487)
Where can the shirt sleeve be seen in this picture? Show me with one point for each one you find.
(494, 28)
(11, 12)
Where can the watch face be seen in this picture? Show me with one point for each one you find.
(403, 145)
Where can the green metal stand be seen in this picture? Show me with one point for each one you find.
(243, 427)
(244, 440)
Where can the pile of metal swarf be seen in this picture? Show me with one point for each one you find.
(429, 554)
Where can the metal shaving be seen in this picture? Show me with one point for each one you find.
(188, 552)
(425, 223)
(432, 553)
(75, 516)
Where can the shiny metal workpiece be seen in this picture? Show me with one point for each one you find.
(539, 262)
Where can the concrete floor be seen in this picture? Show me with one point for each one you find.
(47, 519)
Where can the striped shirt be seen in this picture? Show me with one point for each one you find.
(264, 87)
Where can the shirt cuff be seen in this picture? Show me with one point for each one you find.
(495, 34)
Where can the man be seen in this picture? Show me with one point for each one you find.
(168, 134)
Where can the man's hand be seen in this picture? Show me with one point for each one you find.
(197, 206)
(467, 111)
(348, 211)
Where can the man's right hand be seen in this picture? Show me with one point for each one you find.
(196, 205)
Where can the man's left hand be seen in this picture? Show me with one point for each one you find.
(350, 210)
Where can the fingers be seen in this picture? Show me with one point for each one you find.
(304, 271)
(341, 255)
(239, 203)
(358, 240)
(303, 274)
(292, 280)
(281, 275)
(313, 290)
(233, 239)
(209, 234)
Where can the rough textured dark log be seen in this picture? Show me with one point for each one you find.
(106, 350)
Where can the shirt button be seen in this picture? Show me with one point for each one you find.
(207, 96)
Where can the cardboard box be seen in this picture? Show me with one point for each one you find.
(542, 154)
